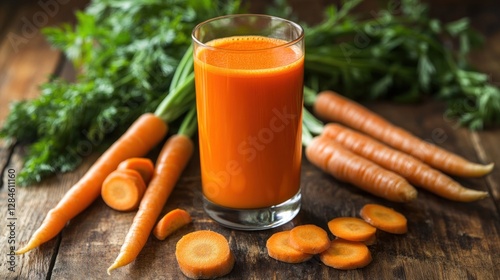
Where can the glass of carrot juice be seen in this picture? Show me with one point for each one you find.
(249, 79)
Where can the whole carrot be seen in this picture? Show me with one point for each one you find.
(147, 131)
(344, 165)
(334, 107)
(170, 163)
(415, 171)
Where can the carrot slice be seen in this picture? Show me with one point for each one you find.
(279, 248)
(171, 222)
(142, 165)
(204, 254)
(123, 190)
(345, 254)
(384, 218)
(371, 241)
(352, 229)
(309, 239)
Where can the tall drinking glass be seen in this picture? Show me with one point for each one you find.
(249, 79)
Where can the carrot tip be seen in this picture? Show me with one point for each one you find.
(112, 267)
(23, 250)
(485, 169)
(469, 195)
(28, 247)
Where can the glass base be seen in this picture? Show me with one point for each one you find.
(254, 219)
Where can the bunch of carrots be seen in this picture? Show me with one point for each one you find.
(348, 155)
(369, 152)
(117, 167)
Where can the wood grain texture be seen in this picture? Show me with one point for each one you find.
(446, 240)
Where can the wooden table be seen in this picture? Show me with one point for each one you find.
(446, 240)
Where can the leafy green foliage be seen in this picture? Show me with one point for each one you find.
(126, 53)
(399, 52)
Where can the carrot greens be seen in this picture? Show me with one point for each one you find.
(126, 53)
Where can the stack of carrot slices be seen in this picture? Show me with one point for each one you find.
(124, 188)
(352, 236)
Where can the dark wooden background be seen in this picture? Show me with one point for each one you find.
(446, 240)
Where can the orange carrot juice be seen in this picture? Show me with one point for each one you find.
(249, 104)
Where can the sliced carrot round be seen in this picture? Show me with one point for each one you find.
(171, 222)
(204, 254)
(384, 218)
(279, 248)
(122, 190)
(309, 239)
(345, 254)
(144, 166)
(350, 228)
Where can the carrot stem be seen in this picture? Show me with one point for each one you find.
(182, 71)
(190, 123)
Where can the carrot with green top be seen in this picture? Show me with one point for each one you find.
(147, 131)
(171, 161)
(414, 170)
(334, 107)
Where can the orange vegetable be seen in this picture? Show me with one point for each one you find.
(415, 171)
(123, 189)
(352, 229)
(171, 222)
(334, 107)
(345, 254)
(171, 161)
(344, 165)
(147, 131)
(371, 241)
(384, 218)
(279, 248)
(309, 239)
(144, 166)
(204, 254)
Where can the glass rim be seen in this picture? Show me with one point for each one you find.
(284, 45)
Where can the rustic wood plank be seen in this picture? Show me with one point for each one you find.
(26, 58)
(30, 203)
(487, 146)
(23, 67)
(447, 240)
